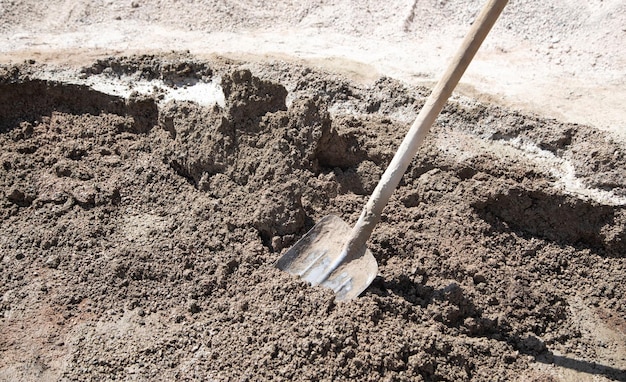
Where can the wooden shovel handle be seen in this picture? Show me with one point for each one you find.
(416, 134)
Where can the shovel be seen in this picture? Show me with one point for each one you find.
(334, 255)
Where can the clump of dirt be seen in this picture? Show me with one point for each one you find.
(138, 238)
(175, 69)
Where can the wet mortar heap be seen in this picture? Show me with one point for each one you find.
(140, 229)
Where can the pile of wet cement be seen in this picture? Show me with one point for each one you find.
(144, 236)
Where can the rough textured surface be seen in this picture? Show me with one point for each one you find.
(138, 239)
(559, 58)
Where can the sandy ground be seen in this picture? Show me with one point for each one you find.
(139, 230)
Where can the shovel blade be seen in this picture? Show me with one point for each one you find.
(313, 258)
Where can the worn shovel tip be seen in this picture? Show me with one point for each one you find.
(314, 258)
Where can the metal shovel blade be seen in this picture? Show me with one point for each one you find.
(316, 258)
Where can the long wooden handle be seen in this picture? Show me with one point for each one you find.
(416, 134)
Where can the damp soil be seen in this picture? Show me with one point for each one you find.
(138, 237)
